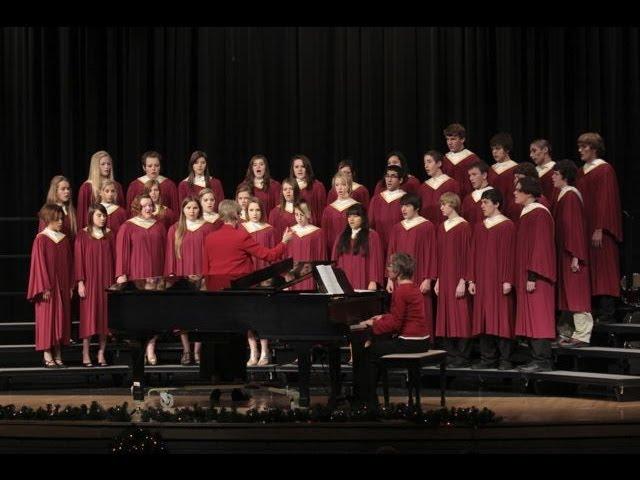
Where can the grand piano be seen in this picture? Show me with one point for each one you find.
(260, 301)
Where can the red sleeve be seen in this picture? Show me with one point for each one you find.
(132, 191)
(508, 254)
(573, 227)
(205, 257)
(183, 191)
(78, 258)
(392, 322)
(542, 260)
(392, 243)
(252, 247)
(120, 198)
(372, 212)
(218, 191)
(84, 200)
(608, 215)
(376, 260)
(172, 192)
(430, 252)
(39, 280)
(463, 264)
(169, 254)
(123, 250)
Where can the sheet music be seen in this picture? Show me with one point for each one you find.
(329, 280)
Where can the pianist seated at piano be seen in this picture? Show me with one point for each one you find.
(227, 255)
(402, 330)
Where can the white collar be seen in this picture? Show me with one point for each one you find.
(252, 227)
(303, 231)
(544, 169)
(192, 225)
(354, 233)
(145, 178)
(495, 220)
(57, 237)
(457, 157)
(343, 204)
(436, 182)
(477, 194)
(589, 166)
(569, 188)
(210, 217)
(531, 207)
(302, 184)
(288, 206)
(110, 207)
(95, 232)
(449, 223)
(389, 196)
(501, 167)
(199, 180)
(355, 186)
(414, 222)
(64, 208)
(141, 222)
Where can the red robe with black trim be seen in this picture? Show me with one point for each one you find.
(493, 253)
(309, 245)
(430, 193)
(190, 262)
(85, 199)
(406, 317)
(599, 188)
(51, 269)
(140, 249)
(359, 193)
(185, 190)
(334, 220)
(535, 252)
(412, 185)
(168, 192)
(94, 265)
(573, 288)
(265, 235)
(316, 198)
(418, 239)
(281, 219)
(384, 214)
(361, 268)
(456, 165)
(453, 319)
(472, 206)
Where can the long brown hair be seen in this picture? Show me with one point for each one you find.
(52, 197)
(308, 170)
(296, 192)
(182, 224)
(250, 177)
(92, 209)
(148, 185)
(192, 176)
(94, 174)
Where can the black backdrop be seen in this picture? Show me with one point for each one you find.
(328, 92)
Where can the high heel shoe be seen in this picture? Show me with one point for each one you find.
(59, 363)
(49, 364)
(196, 358)
(87, 364)
(150, 360)
(264, 361)
(252, 362)
(186, 358)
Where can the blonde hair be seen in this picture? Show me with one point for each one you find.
(94, 173)
(345, 179)
(451, 199)
(229, 210)
(593, 140)
(182, 224)
(106, 183)
(52, 197)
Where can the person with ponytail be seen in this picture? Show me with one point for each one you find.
(199, 178)
(100, 170)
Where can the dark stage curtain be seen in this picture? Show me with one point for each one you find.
(326, 92)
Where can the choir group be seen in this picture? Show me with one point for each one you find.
(488, 252)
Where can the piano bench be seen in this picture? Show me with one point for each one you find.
(413, 363)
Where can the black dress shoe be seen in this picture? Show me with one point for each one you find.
(533, 367)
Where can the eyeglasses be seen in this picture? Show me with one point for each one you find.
(391, 176)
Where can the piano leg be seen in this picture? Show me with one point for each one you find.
(303, 351)
(137, 369)
(334, 374)
(358, 351)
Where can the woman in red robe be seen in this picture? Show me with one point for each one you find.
(50, 285)
(410, 183)
(282, 216)
(458, 160)
(183, 257)
(334, 216)
(162, 213)
(431, 190)
(598, 185)
(209, 207)
(312, 190)
(491, 283)
(573, 286)
(453, 319)
(535, 275)
(385, 209)
(151, 167)
(501, 172)
(199, 178)
(140, 248)
(60, 194)
(100, 169)
(243, 195)
(416, 236)
(263, 234)
(116, 215)
(94, 273)
(307, 243)
(263, 187)
(358, 191)
(471, 205)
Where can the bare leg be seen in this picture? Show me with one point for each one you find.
(253, 345)
(86, 357)
(186, 349)
(265, 356)
(57, 355)
(102, 346)
(197, 347)
(48, 358)
(151, 351)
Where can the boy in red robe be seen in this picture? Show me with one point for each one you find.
(431, 190)
(501, 172)
(416, 236)
(410, 185)
(535, 275)
(525, 169)
(385, 209)
(457, 162)
(540, 153)
(50, 286)
(491, 283)
(471, 205)
(598, 184)
(574, 288)
(151, 166)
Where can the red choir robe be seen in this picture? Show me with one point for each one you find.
(281, 219)
(536, 253)
(598, 185)
(406, 317)
(472, 206)
(269, 198)
(51, 269)
(412, 185)
(493, 264)
(66, 226)
(116, 216)
(573, 288)
(501, 178)
(307, 244)
(85, 199)
(430, 193)
(165, 215)
(94, 265)
(418, 238)
(456, 165)
(190, 261)
(140, 248)
(361, 268)
(316, 198)
(546, 182)
(358, 192)
(334, 220)
(265, 235)
(168, 191)
(186, 190)
(453, 319)
(384, 212)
